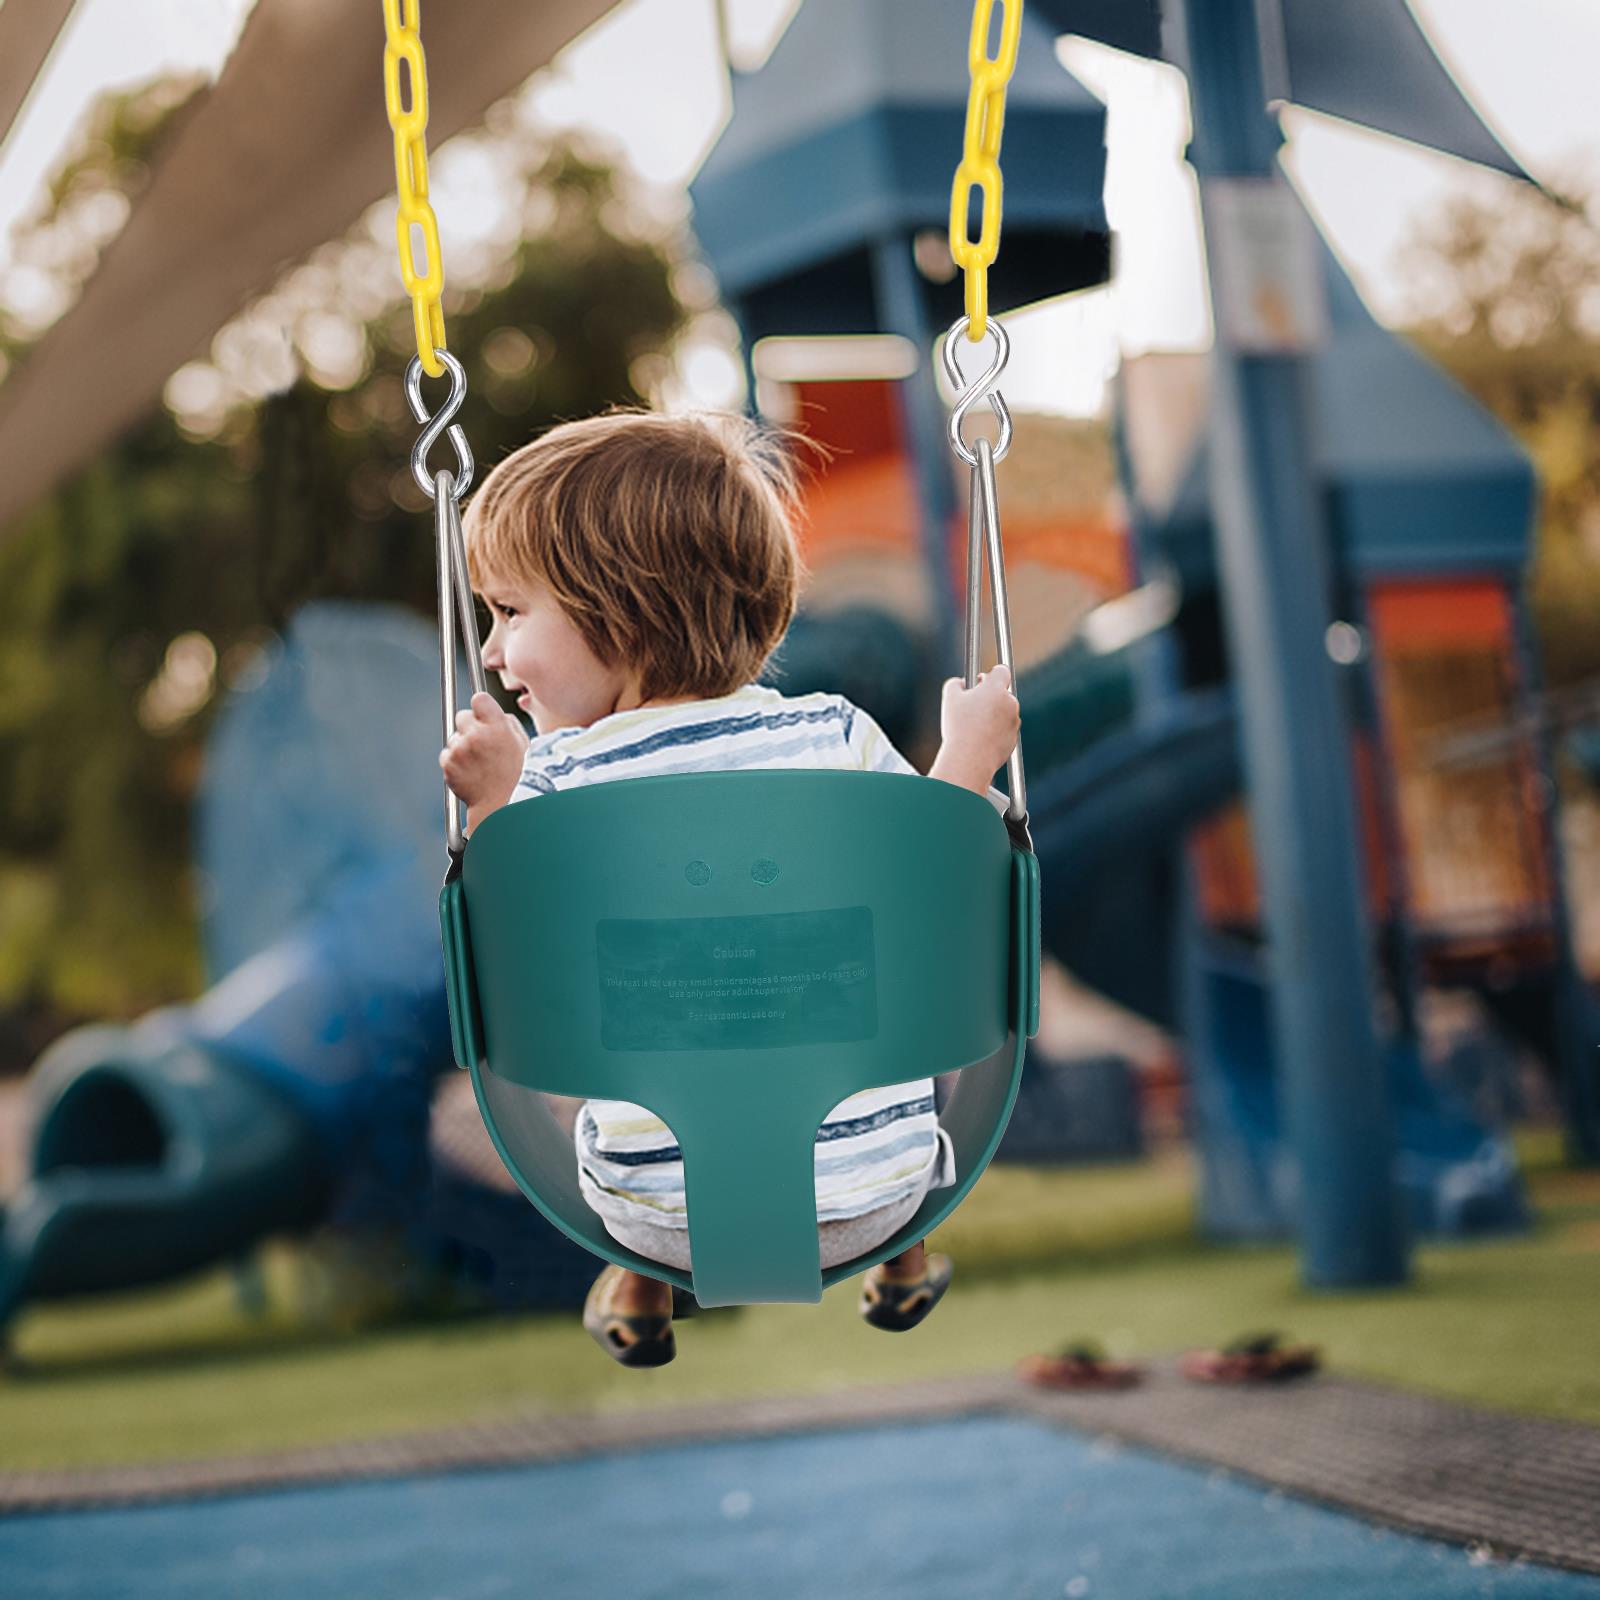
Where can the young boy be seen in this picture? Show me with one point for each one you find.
(639, 570)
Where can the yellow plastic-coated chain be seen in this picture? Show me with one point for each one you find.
(980, 155)
(408, 116)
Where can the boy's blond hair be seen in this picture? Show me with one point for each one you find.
(668, 541)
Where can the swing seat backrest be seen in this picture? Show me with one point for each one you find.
(740, 953)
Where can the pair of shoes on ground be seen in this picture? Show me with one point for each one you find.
(1252, 1358)
(1083, 1365)
(637, 1339)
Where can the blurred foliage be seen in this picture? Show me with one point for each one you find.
(1510, 279)
(137, 592)
(54, 252)
(1042, 1256)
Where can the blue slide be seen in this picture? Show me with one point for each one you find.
(298, 1089)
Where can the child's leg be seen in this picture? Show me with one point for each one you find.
(908, 1266)
(635, 1295)
(630, 1317)
(898, 1294)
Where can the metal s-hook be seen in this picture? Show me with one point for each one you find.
(969, 391)
(435, 425)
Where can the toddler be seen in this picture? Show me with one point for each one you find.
(639, 570)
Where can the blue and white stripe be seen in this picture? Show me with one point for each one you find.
(753, 727)
(878, 1146)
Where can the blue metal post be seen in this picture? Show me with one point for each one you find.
(1272, 554)
(1575, 1044)
(747, 358)
(1398, 942)
(901, 310)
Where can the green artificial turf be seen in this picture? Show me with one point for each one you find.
(1042, 1257)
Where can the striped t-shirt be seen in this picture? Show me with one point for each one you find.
(875, 1148)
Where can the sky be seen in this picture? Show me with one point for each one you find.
(1535, 89)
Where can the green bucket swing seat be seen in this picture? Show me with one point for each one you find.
(739, 953)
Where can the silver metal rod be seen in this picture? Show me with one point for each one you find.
(464, 607)
(443, 504)
(989, 505)
(974, 577)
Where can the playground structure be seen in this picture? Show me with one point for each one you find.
(297, 1090)
(1447, 498)
(342, 1037)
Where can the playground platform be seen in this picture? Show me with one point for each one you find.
(1509, 1489)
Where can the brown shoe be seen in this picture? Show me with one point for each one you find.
(1253, 1358)
(630, 1339)
(1079, 1366)
(898, 1306)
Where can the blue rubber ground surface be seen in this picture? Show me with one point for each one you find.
(991, 1509)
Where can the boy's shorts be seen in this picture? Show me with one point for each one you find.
(838, 1241)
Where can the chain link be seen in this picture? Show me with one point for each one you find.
(980, 156)
(406, 94)
(408, 116)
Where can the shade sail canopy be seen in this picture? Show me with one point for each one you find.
(850, 134)
(1368, 61)
(291, 144)
(28, 32)
(1132, 25)
(1418, 477)
(283, 153)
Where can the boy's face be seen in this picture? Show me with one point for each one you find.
(543, 659)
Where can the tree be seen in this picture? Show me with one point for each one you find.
(1505, 295)
(136, 592)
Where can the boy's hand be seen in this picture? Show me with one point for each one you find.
(980, 727)
(483, 759)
